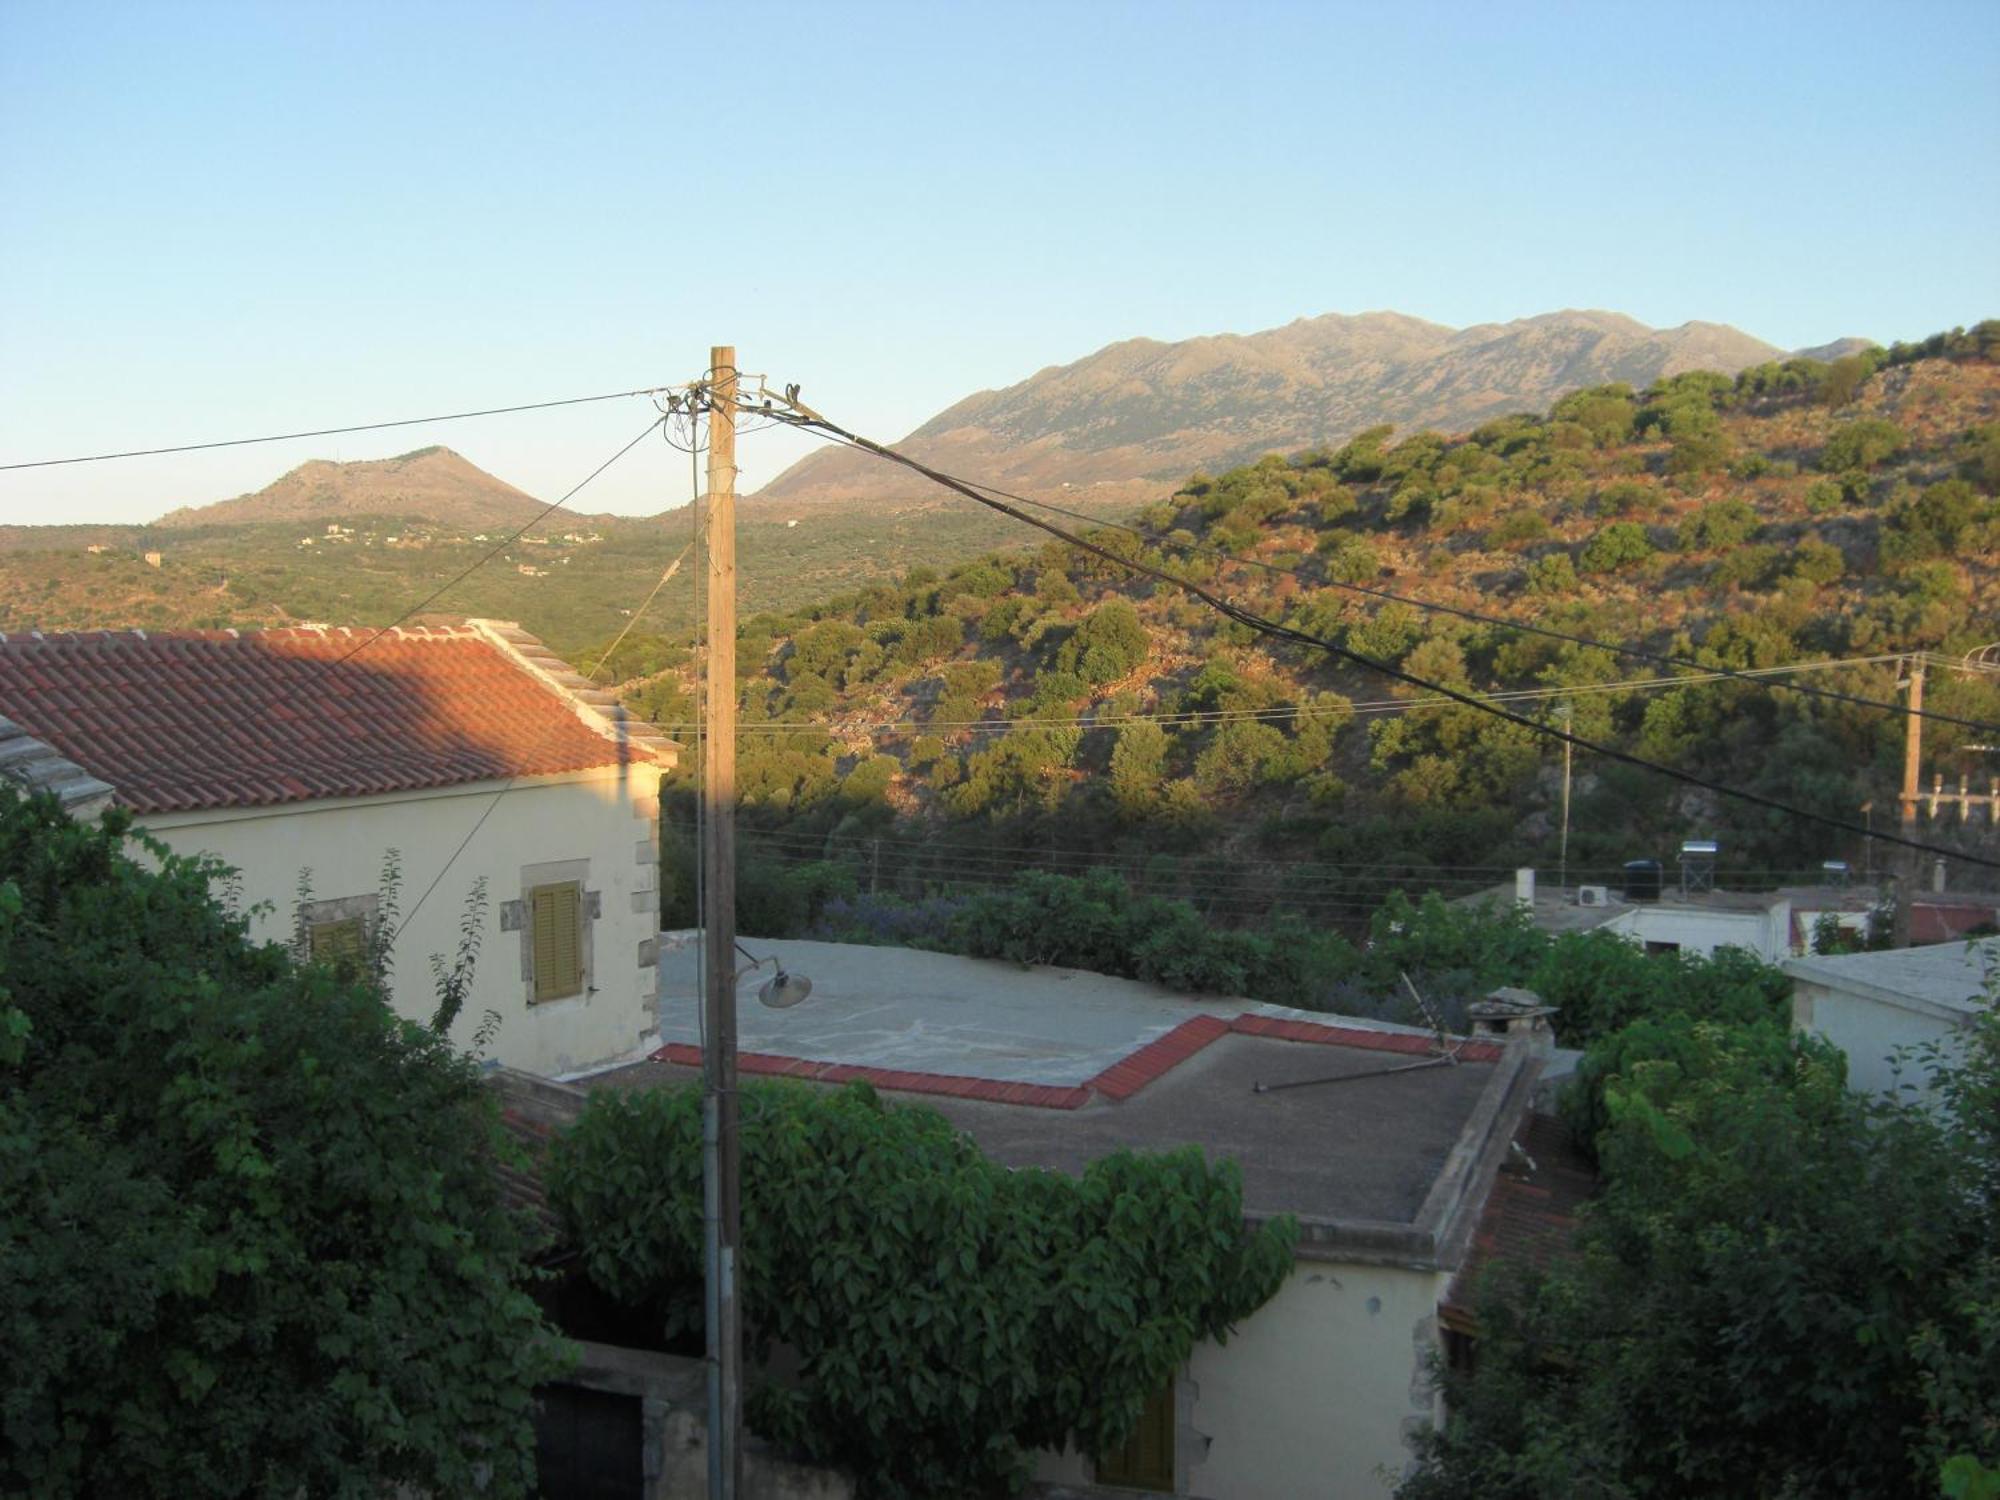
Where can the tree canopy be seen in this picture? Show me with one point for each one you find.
(250, 1237)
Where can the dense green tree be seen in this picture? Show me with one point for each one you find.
(251, 1241)
(1784, 1289)
(1606, 412)
(947, 1316)
(1138, 763)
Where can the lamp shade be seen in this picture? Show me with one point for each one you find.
(782, 991)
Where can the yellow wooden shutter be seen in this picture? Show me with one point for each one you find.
(557, 935)
(1146, 1462)
(335, 942)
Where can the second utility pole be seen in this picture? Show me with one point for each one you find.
(721, 1146)
(1913, 755)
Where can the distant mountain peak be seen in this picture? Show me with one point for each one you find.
(1123, 424)
(434, 484)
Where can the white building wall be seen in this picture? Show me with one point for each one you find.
(1869, 1031)
(1316, 1394)
(1700, 930)
(603, 818)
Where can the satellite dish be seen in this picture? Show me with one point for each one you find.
(782, 991)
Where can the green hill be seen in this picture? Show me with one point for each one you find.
(1050, 710)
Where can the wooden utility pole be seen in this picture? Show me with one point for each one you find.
(721, 1145)
(1913, 754)
(1562, 867)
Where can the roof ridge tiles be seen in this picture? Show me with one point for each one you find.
(224, 718)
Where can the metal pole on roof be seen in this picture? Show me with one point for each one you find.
(721, 1147)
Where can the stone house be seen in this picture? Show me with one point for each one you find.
(302, 757)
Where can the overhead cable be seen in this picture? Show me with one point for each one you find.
(1432, 606)
(284, 437)
(501, 546)
(805, 417)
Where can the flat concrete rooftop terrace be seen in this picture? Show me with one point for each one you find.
(1377, 1155)
(905, 1009)
(1368, 1148)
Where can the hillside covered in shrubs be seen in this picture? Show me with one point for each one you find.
(1053, 710)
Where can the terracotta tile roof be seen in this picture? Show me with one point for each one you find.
(219, 719)
(1530, 1216)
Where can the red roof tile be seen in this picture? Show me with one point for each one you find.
(1530, 1216)
(218, 719)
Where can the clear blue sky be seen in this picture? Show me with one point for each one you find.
(228, 219)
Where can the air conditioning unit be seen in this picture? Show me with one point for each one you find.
(1593, 895)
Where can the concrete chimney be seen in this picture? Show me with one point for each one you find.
(1514, 1015)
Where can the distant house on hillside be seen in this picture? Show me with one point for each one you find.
(1774, 925)
(471, 751)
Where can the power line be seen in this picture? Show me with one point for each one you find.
(505, 542)
(1339, 710)
(507, 785)
(282, 437)
(1431, 606)
(633, 619)
(1253, 874)
(805, 417)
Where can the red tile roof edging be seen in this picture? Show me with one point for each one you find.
(997, 1091)
(1118, 1082)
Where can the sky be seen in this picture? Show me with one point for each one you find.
(227, 220)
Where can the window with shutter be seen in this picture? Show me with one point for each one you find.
(337, 943)
(556, 935)
(1146, 1461)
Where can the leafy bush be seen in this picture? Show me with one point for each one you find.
(251, 1241)
(775, 899)
(1724, 523)
(1518, 527)
(1933, 523)
(949, 1316)
(1863, 444)
(1349, 558)
(1816, 562)
(1605, 411)
(1752, 566)
(1618, 545)
(1110, 642)
(1552, 575)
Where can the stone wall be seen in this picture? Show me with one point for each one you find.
(673, 1395)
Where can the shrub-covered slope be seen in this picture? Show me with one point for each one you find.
(1055, 710)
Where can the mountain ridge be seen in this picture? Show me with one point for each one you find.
(434, 484)
(1125, 423)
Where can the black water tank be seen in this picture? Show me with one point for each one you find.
(1642, 880)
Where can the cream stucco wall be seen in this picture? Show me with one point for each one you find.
(1870, 1031)
(604, 819)
(1316, 1393)
(1313, 1398)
